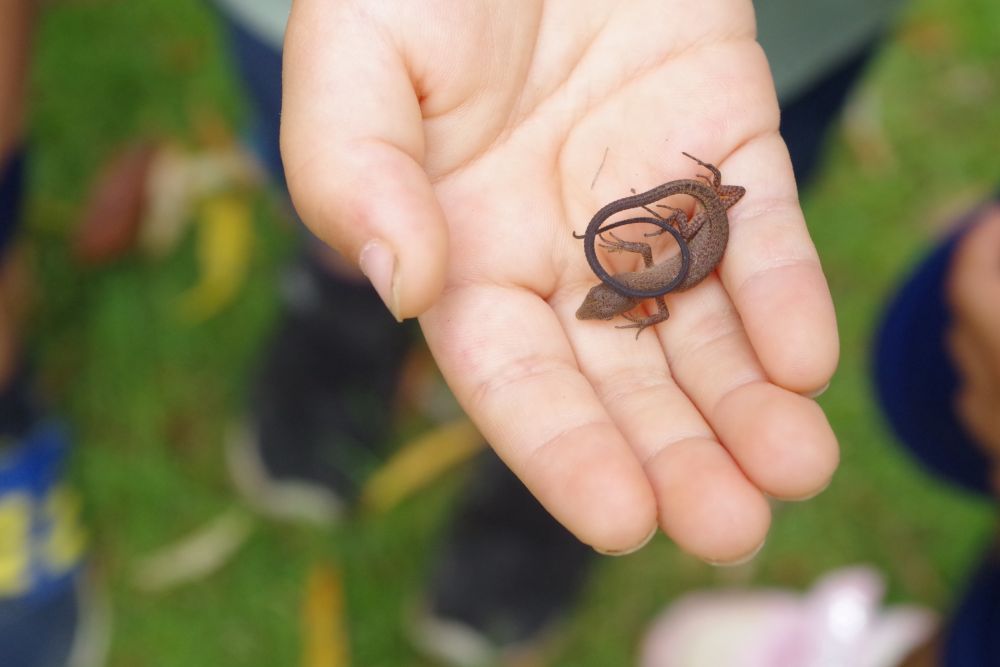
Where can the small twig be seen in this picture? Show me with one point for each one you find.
(599, 168)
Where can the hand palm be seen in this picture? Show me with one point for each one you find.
(503, 118)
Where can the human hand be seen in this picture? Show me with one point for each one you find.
(974, 334)
(449, 148)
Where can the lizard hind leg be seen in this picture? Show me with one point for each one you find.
(716, 179)
(657, 215)
(638, 247)
(708, 181)
(679, 219)
(641, 323)
(688, 227)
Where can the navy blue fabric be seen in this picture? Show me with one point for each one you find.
(916, 383)
(973, 635)
(31, 473)
(37, 624)
(806, 117)
(39, 633)
(259, 67)
(11, 195)
(914, 378)
(19, 408)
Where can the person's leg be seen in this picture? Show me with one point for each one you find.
(11, 189)
(919, 383)
(915, 378)
(42, 617)
(16, 20)
(505, 575)
(970, 637)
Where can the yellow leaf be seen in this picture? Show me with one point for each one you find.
(324, 631)
(420, 462)
(225, 238)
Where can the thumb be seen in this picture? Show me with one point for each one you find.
(352, 143)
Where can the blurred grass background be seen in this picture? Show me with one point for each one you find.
(149, 398)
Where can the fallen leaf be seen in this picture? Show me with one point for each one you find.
(225, 238)
(865, 132)
(109, 224)
(169, 204)
(195, 556)
(324, 632)
(179, 179)
(420, 462)
(927, 35)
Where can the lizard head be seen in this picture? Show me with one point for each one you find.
(603, 303)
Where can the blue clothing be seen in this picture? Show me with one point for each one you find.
(11, 194)
(914, 377)
(973, 639)
(41, 552)
(259, 68)
(916, 384)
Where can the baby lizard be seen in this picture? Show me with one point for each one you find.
(706, 234)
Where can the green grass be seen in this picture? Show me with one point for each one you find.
(149, 397)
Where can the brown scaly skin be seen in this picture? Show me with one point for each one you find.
(707, 234)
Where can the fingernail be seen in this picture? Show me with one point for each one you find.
(632, 550)
(378, 263)
(819, 392)
(810, 495)
(739, 561)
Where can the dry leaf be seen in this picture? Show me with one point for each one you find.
(324, 632)
(225, 239)
(195, 556)
(169, 202)
(865, 133)
(180, 179)
(420, 462)
(115, 208)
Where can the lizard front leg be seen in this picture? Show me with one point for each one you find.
(639, 323)
(638, 247)
(687, 228)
